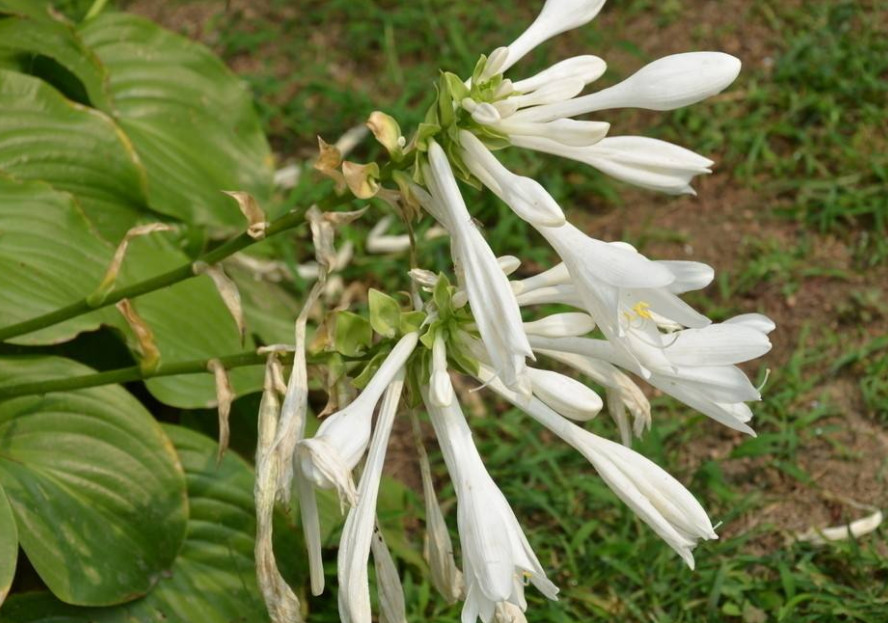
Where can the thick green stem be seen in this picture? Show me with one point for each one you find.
(134, 373)
(88, 304)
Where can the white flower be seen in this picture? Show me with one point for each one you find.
(328, 458)
(392, 608)
(380, 242)
(525, 196)
(496, 555)
(571, 324)
(493, 304)
(441, 393)
(566, 132)
(665, 84)
(438, 548)
(622, 394)
(357, 534)
(565, 395)
(508, 264)
(695, 366)
(556, 17)
(509, 613)
(655, 496)
(586, 68)
(598, 270)
(646, 162)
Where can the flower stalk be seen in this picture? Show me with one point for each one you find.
(182, 273)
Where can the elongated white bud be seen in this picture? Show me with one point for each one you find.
(508, 263)
(571, 324)
(525, 196)
(565, 131)
(689, 276)
(556, 17)
(759, 322)
(554, 91)
(668, 83)
(638, 160)
(441, 389)
(565, 395)
(586, 68)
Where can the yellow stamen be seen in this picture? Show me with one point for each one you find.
(642, 310)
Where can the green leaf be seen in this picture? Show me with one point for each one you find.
(52, 51)
(40, 9)
(353, 334)
(8, 546)
(269, 309)
(190, 119)
(43, 136)
(213, 579)
(189, 321)
(370, 369)
(385, 313)
(49, 257)
(97, 491)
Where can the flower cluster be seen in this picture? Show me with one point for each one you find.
(629, 319)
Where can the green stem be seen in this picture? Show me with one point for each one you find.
(134, 373)
(95, 9)
(88, 304)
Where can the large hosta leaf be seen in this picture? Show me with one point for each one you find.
(96, 488)
(8, 545)
(189, 321)
(44, 136)
(51, 50)
(270, 310)
(190, 119)
(49, 257)
(213, 579)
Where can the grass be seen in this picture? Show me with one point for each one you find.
(804, 134)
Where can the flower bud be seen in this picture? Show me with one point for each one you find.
(387, 132)
(361, 178)
(565, 395)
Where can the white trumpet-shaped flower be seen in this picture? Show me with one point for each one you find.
(556, 17)
(328, 458)
(597, 270)
(655, 496)
(665, 84)
(357, 534)
(696, 366)
(496, 555)
(527, 198)
(638, 160)
(487, 287)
